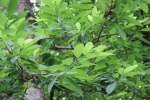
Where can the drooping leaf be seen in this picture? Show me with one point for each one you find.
(144, 7)
(50, 86)
(13, 5)
(110, 88)
(74, 85)
(121, 32)
(4, 3)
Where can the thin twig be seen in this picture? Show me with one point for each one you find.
(99, 35)
(108, 35)
(133, 96)
(97, 39)
(7, 47)
(61, 48)
(108, 12)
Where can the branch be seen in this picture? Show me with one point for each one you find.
(132, 98)
(108, 12)
(108, 35)
(61, 48)
(7, 47)
(97, 39)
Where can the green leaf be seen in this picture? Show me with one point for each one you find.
(3, 19)
(144, 7)
(120, 94)
(88, 48)
(132, 6)
(146, 1)
(84, 37)
(56, 68)
(145, 29)
(99, 66)
(133, 21)
(4, 3)
(79, 6)
(120, 71)
(94, 11)
(111, 87)
(14, 59)
(67, 61)
(51, 85)
(121, 32)
(73, 31)
(102, 3)
(98, 54)
(74, 85)
(78, 49)
(130, 68)
(132, 74)
(9, 31)
(20, 41)
(29, 42)
(3, 74)
(12, 7)
(78, 25)
(57, 2)
(90, 18)
(100, 48)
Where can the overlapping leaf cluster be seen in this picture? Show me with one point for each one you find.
(82, 49)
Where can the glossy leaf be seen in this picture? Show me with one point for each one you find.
(84, 37)
(110, 88)
(14, 59)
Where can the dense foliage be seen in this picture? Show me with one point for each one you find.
(81, 50)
